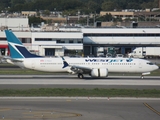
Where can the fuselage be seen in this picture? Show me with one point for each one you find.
(112, 64)
(96, 67)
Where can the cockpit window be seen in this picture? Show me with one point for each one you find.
(150, 63)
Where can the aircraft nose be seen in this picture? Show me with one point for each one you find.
(156, 67)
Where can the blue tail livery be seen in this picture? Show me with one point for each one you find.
(65, 64)
(17, 49)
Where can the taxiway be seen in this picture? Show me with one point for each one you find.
(79, 108)
(71, 81)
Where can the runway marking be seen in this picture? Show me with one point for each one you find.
(4, 109)
(49, 114)
(26, 114)
(6, 119)
(152, 109)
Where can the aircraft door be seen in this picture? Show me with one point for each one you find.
(33, 64)
(140, 65)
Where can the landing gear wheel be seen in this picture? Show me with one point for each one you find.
(80, 76)
(142, 77)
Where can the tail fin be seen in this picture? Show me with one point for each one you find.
(17, 49)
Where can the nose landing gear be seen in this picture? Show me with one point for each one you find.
(146, 73)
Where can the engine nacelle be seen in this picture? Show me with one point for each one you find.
(99, 72)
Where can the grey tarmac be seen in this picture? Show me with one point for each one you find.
(71, 81)
(78, 108)
(85, 108)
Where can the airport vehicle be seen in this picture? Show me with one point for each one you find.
(145, 52)
(100, 52)
(95, 67)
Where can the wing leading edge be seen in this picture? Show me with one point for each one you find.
(76, 69)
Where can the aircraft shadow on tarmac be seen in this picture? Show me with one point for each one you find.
(105, 78)
(68, 77)
(121, 78)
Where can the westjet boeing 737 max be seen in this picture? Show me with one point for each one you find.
(95, 67)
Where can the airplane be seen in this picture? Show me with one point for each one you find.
(95, 67)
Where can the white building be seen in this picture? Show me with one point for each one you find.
(46, 43)
(16, 24)
(57, 43)
(124, 38)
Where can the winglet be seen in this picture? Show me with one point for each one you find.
(65, 64)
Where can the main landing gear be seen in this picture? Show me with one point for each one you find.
(80, 75)
(142, 77)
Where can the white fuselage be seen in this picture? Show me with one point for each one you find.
(112, 64)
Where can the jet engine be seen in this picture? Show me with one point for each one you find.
(99, 72)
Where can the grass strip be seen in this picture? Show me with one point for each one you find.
(96, 92)
(18, 71)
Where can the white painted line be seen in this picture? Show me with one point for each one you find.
(78, 98)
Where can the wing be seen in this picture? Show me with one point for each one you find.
(80, 69)
(76, 69)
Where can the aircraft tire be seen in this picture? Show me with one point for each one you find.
(80, 76)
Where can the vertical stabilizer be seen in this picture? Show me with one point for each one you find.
(17, 49)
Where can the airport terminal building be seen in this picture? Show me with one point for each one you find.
(87, 40)
(76, 40)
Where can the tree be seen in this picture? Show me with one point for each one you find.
(133, 5)
(108, 6)
(107, 17)
(46, 12)
(155, 3)
(85, 6)
(35, 20)
(147, 5)
(71, 4)
(92, 6)
(4, 4)
(15, 2)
